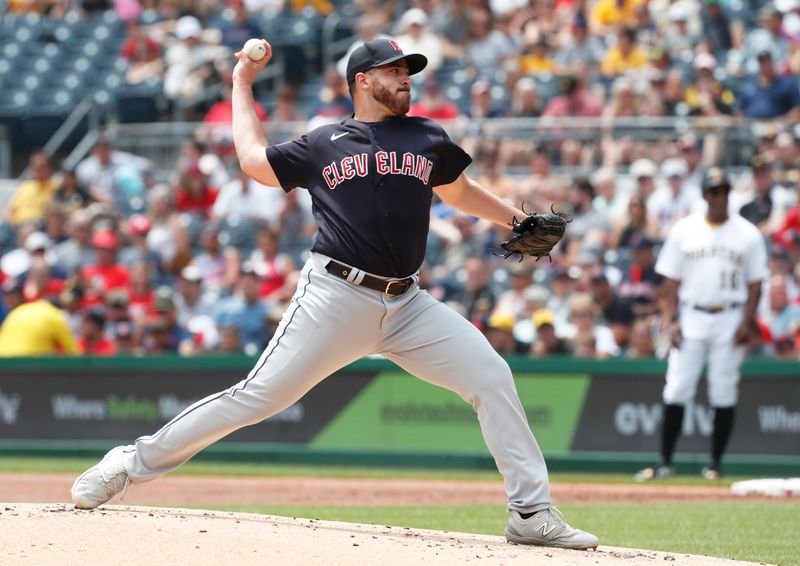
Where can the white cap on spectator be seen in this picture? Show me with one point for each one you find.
(37, 241)
(192, 273)
(187, 26)
(786, 6)
(705, 61)
(413, 16)
(643, 168)
(674, 167)
(678, 12)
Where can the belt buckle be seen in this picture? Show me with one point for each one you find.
(401, 282)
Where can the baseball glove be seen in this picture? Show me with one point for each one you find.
(536, 235)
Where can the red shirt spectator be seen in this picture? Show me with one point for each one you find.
(92, 341)
(106, 273)
(194, 194)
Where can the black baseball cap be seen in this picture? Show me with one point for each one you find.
(379, 52)
(715, 177)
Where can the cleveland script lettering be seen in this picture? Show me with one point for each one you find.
(386, 163)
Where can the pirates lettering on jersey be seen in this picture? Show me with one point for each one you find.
(386, 163)
(715, 252)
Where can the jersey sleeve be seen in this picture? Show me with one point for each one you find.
(669, 259)
(452, 160)
(290, 161)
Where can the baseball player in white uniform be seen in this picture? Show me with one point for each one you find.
(713, 264)
(371, 179)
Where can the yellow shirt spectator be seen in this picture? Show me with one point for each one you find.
(28, 201)
(36, 329)
(611, 13)
(532, 64)
(616, 62)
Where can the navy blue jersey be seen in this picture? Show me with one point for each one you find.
(371, 186)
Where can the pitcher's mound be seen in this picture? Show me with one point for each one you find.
(57, 534)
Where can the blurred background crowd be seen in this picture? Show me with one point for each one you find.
(138, 252)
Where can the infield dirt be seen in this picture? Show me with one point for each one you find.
(39, 527)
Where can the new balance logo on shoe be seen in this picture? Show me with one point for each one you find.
(545, 528)
(335, 137)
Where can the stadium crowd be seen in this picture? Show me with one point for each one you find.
(120, 255)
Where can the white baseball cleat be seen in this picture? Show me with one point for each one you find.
(101, 482)
(548, 528)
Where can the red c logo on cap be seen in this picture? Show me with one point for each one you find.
(394, 44)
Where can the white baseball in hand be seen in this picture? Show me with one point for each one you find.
(254, 48)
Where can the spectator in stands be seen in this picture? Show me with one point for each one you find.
(692, 154)
(782, 318)
(163, 235)
(101, 173)
(219, 266)
(367, 28)
(334, 102)
(285, 109)
(706, 96)
(623, 56)
(142, 53)
(188, 56)
(477, 296)
(164, 334)
(716, 27)
(541, 186)
(415, 36)
(500, 333)
(142, 294)
(192, 299)
(433, 103)
(589, 226)
(767, 37)
(616, 311)
(138, 227)
(607, 16)
(673, 200)
(481, 102)
(76, 251)
(489, 163)
(611, 197)
(486, 48)
(640, 283)
(770, 202)
(39, 280)
(124, 339)
(769, 95)
(54, 222)
(574, 101)
(585, 334)
(678, 37)
(33, 329)
(105, 273)
(230, 340)
(241, 26)
(450, 21)
(578, 49)
(536, 57)
(93, 341)
(642, 343)
(70, 194)
(273, 267)
(193, 194)
(636, 224)
(513, 301)
(242, 198)
(246, 311)
(526, 101)
(116, 312)
(29, 199)
(786, 165)
(547, 342)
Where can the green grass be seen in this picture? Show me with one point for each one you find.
(753, 531)
(77, 465)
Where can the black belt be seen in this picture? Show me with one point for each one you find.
(716, 308)
(392, 287)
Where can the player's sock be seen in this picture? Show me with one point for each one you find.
(723, 426)
(670, 430)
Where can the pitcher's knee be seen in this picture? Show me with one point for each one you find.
(494, 377)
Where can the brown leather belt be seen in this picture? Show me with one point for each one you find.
(391, 287)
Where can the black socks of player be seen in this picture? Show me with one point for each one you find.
(670, 430)
(723, 426)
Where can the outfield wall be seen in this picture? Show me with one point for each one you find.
(586, 414)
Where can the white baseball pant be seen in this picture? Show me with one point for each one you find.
(706, 337)
(331, 323)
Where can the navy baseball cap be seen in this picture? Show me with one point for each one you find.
(379, 52)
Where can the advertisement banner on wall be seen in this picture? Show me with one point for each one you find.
(129, 404)
(623, 414)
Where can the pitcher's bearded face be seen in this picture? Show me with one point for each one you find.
(392, 87)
